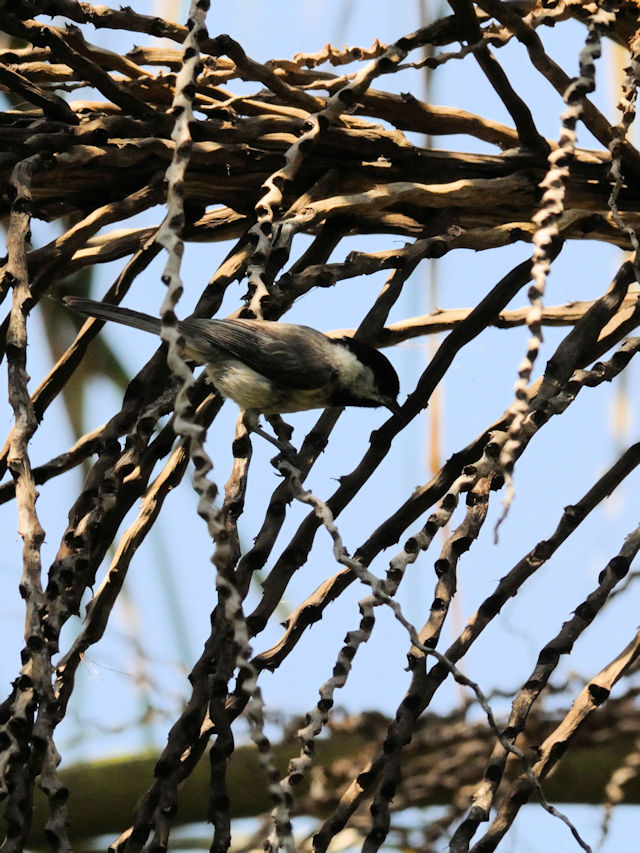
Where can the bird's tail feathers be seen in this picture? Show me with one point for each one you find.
(103, 311)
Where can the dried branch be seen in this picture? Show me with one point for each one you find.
(295, 169)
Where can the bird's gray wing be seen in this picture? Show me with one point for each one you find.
(285, 353)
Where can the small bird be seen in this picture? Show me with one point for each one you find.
(270, 367)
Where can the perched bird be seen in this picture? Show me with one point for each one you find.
(273, 367)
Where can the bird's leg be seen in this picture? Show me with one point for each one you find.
(251, 420)
(282, 430)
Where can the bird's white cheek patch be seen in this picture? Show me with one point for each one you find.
(354, 374)
(349, 367)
